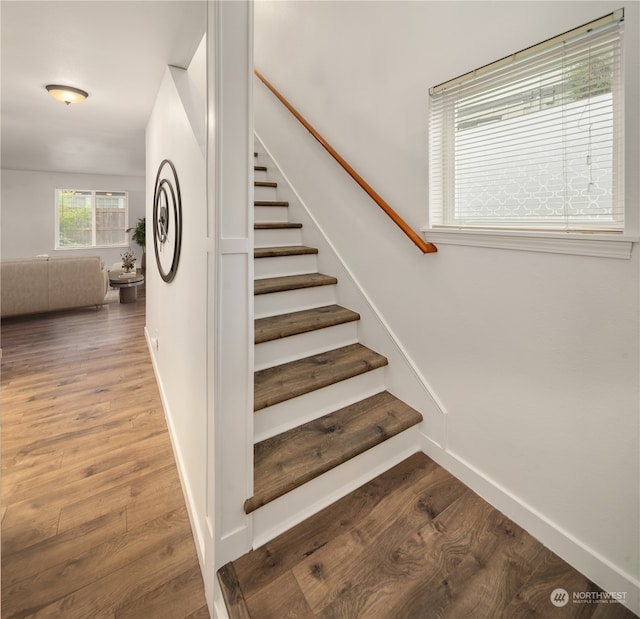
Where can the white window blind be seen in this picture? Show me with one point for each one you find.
(533, 141)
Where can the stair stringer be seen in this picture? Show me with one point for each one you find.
(403, 377)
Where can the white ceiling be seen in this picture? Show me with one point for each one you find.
(115, 50)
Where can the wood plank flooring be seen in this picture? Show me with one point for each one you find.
(94, 522)
(414, 543)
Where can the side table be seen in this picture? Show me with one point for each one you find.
(127, 285)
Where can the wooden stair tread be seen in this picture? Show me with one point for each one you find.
(276, 225)
(285, 250)
(270, 203)
(295, 378)
(285, 462)
(264, 184)
(283, 325)
(292, 282)
(259, 168)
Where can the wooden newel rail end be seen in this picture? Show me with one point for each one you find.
(426, 248)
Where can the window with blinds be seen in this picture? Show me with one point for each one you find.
(533, 141)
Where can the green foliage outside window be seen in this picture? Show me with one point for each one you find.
(74, 219)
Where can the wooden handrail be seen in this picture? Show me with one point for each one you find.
(426, 248)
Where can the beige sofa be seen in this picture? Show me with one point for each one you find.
(46, 284)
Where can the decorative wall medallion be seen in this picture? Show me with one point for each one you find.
(167, 220)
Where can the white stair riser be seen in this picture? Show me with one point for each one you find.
(285, 265)
(285, 349)
(293, 300)
(264, 193)
(292, 413)
(264, 214)
(292, 508)
(278, 237)
(260, 175)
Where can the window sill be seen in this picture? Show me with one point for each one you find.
(598, 245)
(91, 247)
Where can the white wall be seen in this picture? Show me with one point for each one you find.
(200, 326)
(28, 210)
(534, 356)
(176, 311)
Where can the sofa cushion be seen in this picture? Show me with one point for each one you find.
(23, 283)
(39, 284)
(74, 282)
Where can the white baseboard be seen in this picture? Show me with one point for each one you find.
(586, 560)
(199, 534)
(219, 610)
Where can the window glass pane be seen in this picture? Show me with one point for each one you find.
(552, 164)
(111, 218)
(92, 218)
(74, 218)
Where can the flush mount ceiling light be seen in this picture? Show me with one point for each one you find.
(67, 94)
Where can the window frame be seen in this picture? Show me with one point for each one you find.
(94, 230)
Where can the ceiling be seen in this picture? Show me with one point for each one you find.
(115, 50)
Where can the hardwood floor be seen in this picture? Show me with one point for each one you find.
(94, 522)
(415, 543)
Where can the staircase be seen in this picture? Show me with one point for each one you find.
(319, 394)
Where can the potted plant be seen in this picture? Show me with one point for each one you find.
(128, 261)
(139, 237)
